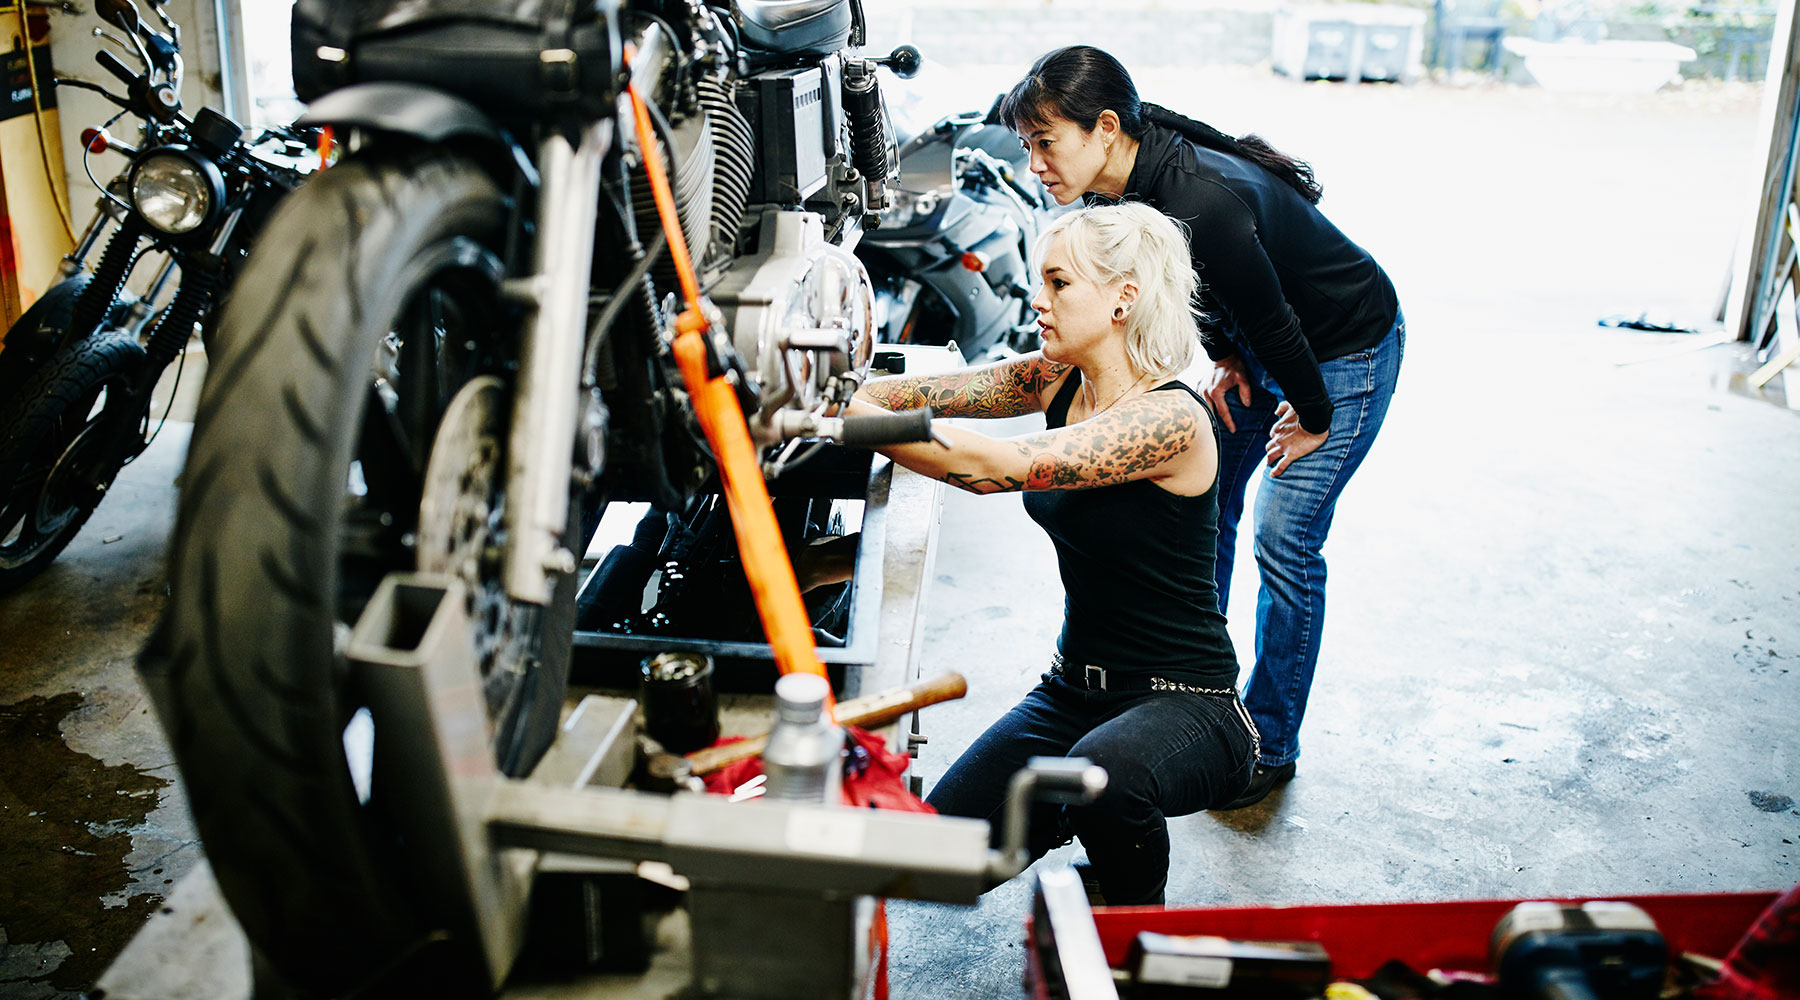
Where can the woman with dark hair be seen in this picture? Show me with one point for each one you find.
(1304, 330)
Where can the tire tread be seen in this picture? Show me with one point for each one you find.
(255, 705)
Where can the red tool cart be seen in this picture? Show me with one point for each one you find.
(1074, 949)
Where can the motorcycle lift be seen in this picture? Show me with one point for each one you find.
(780, 898)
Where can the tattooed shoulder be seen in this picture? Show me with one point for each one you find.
(1134, 441)
(1041, 372)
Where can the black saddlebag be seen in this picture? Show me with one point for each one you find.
(512, 57)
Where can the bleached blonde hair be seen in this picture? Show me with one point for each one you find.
(1136, 243)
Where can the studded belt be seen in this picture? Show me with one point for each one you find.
(1097, 678)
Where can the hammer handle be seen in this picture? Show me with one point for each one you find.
(867, 712)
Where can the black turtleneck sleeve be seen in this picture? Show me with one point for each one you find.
(1276, 277)
(1240, 282)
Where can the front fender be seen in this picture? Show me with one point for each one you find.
(38, 334)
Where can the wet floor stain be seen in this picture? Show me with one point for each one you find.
(65, 820)
(1770, 802)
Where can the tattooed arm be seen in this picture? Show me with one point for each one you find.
(1003, 389)
(1162, 436)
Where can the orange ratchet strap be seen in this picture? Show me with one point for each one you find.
(766, 563)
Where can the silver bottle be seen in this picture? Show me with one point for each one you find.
(803, 761)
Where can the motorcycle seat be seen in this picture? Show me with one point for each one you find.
(793, 27)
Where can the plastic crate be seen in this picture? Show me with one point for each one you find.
(1352, 42)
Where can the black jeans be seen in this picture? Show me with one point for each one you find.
(1166, 753)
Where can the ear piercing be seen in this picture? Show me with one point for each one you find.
(1120, 312)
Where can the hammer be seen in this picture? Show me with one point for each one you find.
(868, 712)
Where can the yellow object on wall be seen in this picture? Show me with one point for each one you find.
(34, 224)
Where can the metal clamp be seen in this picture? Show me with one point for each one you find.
(1061, 780)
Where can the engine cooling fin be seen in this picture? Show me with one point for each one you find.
(734, 145)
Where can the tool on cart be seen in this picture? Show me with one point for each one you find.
(1598, 950)
(1189, 967)
(870, 712)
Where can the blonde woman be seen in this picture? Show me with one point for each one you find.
(1124, 480)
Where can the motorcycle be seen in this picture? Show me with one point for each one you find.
(80, 365)
(952, 260)
(567, 245)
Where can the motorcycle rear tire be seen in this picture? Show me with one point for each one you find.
(255, 690)
(54, 409)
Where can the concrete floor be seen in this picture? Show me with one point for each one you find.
(1565, 590)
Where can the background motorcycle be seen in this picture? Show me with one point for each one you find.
(80, 365)
(447, 352)
(952, 259)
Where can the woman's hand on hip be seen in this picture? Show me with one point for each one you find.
(1228, 373)
(1288, 441)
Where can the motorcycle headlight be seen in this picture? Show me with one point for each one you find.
(176, 191)
(910, 207)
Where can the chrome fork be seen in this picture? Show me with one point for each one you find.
(540, 463)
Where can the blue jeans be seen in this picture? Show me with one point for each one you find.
(1166, 753)
(1293, 515)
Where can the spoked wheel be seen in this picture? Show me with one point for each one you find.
(52, 438)
(351, 387)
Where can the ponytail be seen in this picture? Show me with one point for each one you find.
(1298, 174)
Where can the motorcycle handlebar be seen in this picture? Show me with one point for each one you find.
(900, 427)
(112, 64)
(1002, 174)
(67, 81)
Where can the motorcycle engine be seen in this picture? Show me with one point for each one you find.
(802, 315)
(772, 153)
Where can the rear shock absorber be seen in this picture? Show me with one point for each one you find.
(868, 119)
(868, 128)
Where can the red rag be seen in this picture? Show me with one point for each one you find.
(1765, 965)
(881, 786)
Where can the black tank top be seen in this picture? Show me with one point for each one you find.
(1137, 568)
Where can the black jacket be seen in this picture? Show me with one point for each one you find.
(1276, 277)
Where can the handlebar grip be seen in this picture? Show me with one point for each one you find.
(901, 427)
(111, 64)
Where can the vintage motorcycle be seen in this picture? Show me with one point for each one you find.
(80, 365)
(952, 260)
(447, 352)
